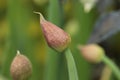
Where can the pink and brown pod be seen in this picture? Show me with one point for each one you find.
(21, 68)
(56, 38)
(92, 52)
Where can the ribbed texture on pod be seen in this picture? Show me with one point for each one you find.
(55, 36)
(21, 68)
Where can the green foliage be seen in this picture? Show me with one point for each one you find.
(20, 30)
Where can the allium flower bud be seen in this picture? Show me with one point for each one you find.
(21, 68)
(56, 38)
(92, 53)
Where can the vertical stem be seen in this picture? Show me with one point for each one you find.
(86, 21)
(18, 17)
(73, 75)
(12, 39)
(51, 65)
(55, 13)
(53, 58)
(112, 65)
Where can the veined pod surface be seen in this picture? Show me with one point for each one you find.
(56, 38)
(21, 68)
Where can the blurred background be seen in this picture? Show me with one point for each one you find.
(87, 21)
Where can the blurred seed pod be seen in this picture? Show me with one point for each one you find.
(107, 33)
(21, 68)
(92, 53)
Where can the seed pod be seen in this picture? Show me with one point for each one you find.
(92, 53)
(56, 38)
(106, 33)
(21, 68)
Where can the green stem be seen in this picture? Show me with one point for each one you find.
(73, 75)
(53, 58)
(55, 12)
(112, 65)
(51, 70)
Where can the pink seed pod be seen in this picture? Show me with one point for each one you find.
(92, 53)
(21, 68)
(56, 38)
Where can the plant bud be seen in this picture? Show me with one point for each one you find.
(21, 68)
(92, 53)
(56, 38)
